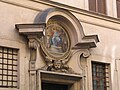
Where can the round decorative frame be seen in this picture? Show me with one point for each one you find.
(56, 43)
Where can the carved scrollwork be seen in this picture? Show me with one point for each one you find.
(58, 66)
(33, 43)
(81, 52)
(86, 53)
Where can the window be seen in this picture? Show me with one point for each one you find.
(118, 8)
(100, 76)
(8, 67)
(97, 6)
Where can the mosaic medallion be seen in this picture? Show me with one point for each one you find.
(56, 42)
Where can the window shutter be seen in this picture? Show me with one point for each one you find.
(97, 6)
(118, 9)
(101, 6)
(92, 5)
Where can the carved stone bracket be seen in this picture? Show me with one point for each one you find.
(85, 53)
(32, 31)
(32, 42)
(33, 45)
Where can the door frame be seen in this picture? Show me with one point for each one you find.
(73, 81)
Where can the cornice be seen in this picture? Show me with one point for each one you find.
(78, 10)
(27, 4)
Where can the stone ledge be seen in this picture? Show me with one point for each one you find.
(61, 74)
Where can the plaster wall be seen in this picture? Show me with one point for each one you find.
(79, 4)
(107, 50)
(9, 37)
(108, 33)
(11, 15)
(109, 40)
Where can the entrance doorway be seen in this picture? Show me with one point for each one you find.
(47, 80)
(52, 86)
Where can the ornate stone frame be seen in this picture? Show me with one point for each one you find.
(80, 44)
(97, 58)
(73, 81)
(67, 52)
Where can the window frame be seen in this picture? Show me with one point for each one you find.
(95, 8)
(99, 75)
(7, 63)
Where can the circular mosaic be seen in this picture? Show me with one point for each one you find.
(56, 42)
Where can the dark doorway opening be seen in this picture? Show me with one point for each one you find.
(52, 86)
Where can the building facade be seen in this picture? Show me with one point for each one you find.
(59, 45)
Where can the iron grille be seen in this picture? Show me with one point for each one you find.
(100, 76)
(8, 67)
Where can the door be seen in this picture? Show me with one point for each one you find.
(51, 86)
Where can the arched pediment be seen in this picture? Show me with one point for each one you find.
(72, 25)
(58, 31)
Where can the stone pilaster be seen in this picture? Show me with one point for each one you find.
(33, 45)
(84, 53)
(33, 32)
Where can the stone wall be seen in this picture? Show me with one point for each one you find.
(107, 29)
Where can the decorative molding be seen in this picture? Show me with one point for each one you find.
(58, 66)
(59, 5)
(33, 43)
(86, 42)
(61, 65)
(73, 81)
(62, 74)
(32, 31)
(78, 10)
(37, 7)
(86, 13)
(81, 52)
(84, 52)
(57, 62)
